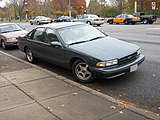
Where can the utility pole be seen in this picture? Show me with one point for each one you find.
(135, 6)
(69, 8)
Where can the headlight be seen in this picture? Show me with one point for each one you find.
(138, 52)
(11, 40)
(107, 63)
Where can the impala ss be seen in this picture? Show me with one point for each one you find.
(88, 52)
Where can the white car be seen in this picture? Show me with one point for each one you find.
(41, 20)
(90, 19)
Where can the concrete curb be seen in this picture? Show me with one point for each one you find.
(132, 108)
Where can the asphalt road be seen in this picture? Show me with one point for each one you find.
(141, 88)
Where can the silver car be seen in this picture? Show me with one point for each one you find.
(41, 20)
(90, 19)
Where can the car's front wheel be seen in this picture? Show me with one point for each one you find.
(145, 21)
(3, 45)
(29, 56)
(81, 71)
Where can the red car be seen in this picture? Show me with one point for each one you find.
(9, 33)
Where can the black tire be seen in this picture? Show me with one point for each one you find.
(81, 71)
(98, 24)
(126, 22)
(89, 23)
(110, 21)
(31, 23)
(145, 21)
(133, 23)
(3, 45)
(38, 23)
(150, 22)
(29, 55)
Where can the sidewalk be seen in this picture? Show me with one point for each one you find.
(29, 92)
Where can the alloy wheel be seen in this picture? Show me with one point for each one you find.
(81, 71)
(29, 55)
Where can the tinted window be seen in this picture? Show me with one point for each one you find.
(50, 36)
(38, 34)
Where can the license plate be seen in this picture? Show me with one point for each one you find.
(133, 68)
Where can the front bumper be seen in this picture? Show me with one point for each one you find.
(116, 71)
(11, 43)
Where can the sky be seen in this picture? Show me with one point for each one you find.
(87, 2)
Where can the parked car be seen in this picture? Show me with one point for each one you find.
(87, 51)
(41, 20)
(63, 19)
(9, 33)
(90, 19)
(146, 19)
(124, 18)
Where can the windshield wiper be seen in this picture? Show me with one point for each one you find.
(78, 42)
(18, 30)
(96, 38)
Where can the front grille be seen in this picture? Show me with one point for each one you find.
(127, 59)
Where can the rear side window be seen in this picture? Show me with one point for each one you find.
(50, 36)
(38, 35)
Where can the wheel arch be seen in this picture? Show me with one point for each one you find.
(72, 60)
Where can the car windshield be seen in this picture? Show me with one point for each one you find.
(130, 16)
(79, 34)
(10, 28)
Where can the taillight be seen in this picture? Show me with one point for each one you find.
(96, 19)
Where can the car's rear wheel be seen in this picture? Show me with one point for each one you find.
(29, 55)
(150, 22)
(110, 22)
(3, 45)
(89, 23)
(31, 23)
(38, 23)
(81, 71)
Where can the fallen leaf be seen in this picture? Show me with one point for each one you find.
(49, 109)
(75, 93)
(62, 105)
(113, 107)
(121, 112)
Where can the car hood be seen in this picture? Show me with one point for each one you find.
(14, 34)
(105, 48)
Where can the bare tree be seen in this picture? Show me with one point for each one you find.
(19, 6)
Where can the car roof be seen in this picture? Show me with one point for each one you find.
(62, 25)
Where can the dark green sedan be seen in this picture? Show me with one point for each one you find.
(87, 51)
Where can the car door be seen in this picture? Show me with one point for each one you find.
(117, 19)
(35, 41)
(53, 49)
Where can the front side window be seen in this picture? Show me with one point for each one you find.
(50, 36)
(38, 35)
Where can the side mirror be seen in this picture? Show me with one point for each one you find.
(56, 44)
